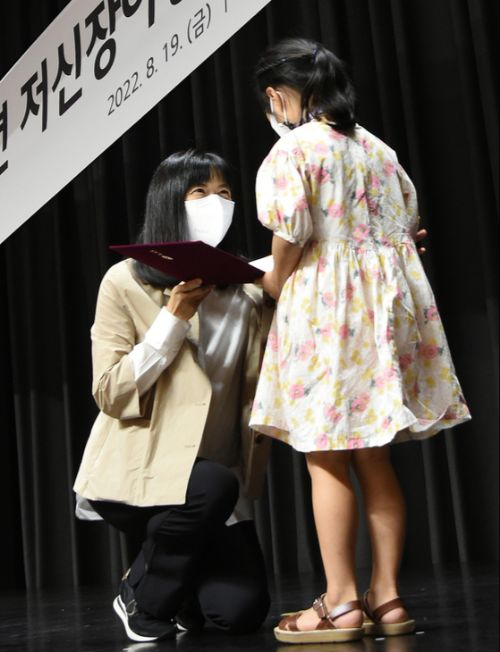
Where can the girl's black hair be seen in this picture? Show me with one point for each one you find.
(165, 214)
(316, 73)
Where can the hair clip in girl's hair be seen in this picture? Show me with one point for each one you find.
(272, 64)
(279, 62)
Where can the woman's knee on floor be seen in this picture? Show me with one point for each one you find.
(237, 609)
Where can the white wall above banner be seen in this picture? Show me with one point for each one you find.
(96, 70)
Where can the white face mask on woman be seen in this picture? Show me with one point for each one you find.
(209, 218)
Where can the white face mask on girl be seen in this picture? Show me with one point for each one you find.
(209, 218)
(281, 128)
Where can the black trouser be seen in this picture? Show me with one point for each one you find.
(188, 551)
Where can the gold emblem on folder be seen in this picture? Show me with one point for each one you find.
(158, 253)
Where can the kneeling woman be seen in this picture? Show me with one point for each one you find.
(174, 372)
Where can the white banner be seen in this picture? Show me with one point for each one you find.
(96, 70)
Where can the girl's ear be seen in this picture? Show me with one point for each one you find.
(271, 93)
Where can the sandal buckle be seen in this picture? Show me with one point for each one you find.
(320, 607)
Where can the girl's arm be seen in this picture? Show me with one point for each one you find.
(286, 257)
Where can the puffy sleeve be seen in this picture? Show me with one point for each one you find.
(283, 193)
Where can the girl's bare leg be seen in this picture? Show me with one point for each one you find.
(386, 518)
(335, 515)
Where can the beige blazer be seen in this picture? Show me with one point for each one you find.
(142, 448)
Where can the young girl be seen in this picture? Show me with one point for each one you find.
(356, 358)
(174, 372)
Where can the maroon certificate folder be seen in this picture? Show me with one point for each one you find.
(188, 260)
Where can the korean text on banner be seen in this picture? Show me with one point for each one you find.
(96, 70)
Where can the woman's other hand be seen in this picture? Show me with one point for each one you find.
(186, 297)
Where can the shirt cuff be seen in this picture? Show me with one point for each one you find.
(166, 331)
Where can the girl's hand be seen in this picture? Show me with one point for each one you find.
(186, 297)
(420, 235)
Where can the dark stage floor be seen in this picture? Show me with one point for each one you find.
(456, 611)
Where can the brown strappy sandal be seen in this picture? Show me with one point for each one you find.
(325, 631)
(373, 625)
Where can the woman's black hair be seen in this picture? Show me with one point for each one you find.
(165, 214)
(316, 73)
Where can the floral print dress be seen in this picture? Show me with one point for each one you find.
(357, 355)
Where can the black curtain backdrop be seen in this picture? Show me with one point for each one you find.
(425, 73)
